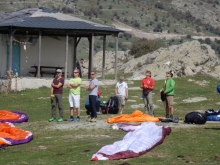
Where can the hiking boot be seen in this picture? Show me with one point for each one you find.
(51, 119)
(60, 119)
(171, 116)
(93, 120)
(78, 119)
(71, 119)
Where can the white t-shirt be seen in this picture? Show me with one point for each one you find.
(121, 88)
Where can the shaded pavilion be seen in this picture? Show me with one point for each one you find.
(46, 22)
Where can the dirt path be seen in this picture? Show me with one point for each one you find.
(141, 34)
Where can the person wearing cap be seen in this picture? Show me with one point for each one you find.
(74, 95)
(56, 96)
(169, 91)
(93, 90)
(147, 86)
(121, 91)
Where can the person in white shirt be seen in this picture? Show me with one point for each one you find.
(121, 91)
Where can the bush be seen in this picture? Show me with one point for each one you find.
(144, 46)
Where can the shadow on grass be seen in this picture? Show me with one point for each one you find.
(213, 128)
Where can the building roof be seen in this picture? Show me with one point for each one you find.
(50, 22)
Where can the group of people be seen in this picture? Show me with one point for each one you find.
(121, 91)
(74, 86)
(167, 92)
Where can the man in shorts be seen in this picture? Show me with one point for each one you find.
(121, 91)
(169, 90)
(74, 95)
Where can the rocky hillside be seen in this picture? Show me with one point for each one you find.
(188, 58)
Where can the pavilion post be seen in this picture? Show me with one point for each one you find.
(103, 57)
(66, 59)
(116, 55)
(39, 55)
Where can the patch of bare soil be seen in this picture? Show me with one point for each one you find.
(142, 34)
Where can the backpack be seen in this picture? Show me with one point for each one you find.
(195, 118)
(111, 107)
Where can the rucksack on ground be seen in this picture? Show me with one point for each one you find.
(111, 106)
(195, 118)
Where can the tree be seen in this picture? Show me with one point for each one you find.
(208, 41)
(144, 46)
(198, 29)
(188, 36)
(159, 5)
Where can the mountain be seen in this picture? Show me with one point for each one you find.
(186, 59)
(172, 21)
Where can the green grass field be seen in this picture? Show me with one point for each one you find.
(194, 144)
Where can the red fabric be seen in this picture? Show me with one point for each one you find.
(60, 89)
(148, 81)
(99, 93)
(7, 131)
(136, 116)
(7, 115)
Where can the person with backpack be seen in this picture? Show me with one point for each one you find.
(93, 90)
(121, 91)
(168, 91)
(147, 86)
(88, 107)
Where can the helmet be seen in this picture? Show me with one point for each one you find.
(218, 88)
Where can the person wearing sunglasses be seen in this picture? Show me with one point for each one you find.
(93, 90)
(56, 96)
(74, 95)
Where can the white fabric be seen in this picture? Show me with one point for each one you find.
(121, 88)
(143, 138)
(74, 100)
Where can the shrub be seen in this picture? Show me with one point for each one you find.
(188, 36)
(145, 46)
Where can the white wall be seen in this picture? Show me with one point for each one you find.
(52, 54)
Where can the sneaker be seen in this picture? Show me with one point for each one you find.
(78, 119)
(89, 118)
(71, 119)
(98, 113)
(93, 120)
(51, 119)
(60, 119)
(167, 116)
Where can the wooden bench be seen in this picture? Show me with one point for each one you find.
(49, 70)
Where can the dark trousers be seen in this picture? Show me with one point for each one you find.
(57, 100)
(92, 102)
(89, 109)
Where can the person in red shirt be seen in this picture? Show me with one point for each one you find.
(147, 85)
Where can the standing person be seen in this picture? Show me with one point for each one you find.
(121, 91)
(80, 67)
(74, 95)
(168, 90)
(56, 96)
(93, 90)
(147, 85)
